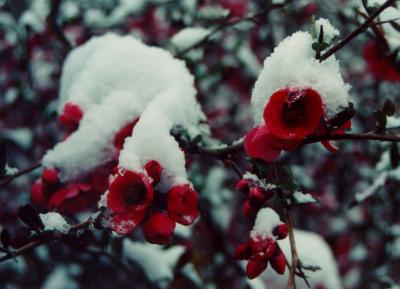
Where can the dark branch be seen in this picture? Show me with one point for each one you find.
(230, 23)
(46, 238)
(9, 179)
(52, 21)
(357, 31)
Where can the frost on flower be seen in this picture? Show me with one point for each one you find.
(54, 221)
(293, 64)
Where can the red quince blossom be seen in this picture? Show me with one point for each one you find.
(130, 195)
(182, 204)
(71, 198)
(293, 113)
(159, 229)
(129, 191)
(378, 63)
(70, 116)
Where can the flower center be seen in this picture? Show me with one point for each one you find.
(134, 194)
(295, 107)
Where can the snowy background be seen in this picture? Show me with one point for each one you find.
(209, 79)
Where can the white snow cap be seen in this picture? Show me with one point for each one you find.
(115, 80)
(293, 64)
(54, 221)
(330, 32)
(267, 219)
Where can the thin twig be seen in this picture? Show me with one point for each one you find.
(289, 222)
(230, 23)
(9, 179)
(52, 20)
(238, 146)
(47, 238)
(357, 31)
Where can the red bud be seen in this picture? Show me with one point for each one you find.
(281, 231)
(255, 268)
(278, 262)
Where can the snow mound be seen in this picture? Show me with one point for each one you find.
(115, 80)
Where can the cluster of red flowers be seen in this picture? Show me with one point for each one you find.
(291, 115)
(256, 196)
(260, 250)
(131, 194)
(51, 193)
(130, 198)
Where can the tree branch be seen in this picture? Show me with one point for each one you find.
(46, 238)
(230, 23)
(9, 179)
(55, 27)
(357, 31)
(220, 151)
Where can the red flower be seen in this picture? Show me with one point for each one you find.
(182, 204)
(130, 195)
(123, 133)
(260, 143)
(74, 198)
(154, 170)
(129, 192)
(378, 63)
(293, 113)
(159, 229)
(71, 115)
